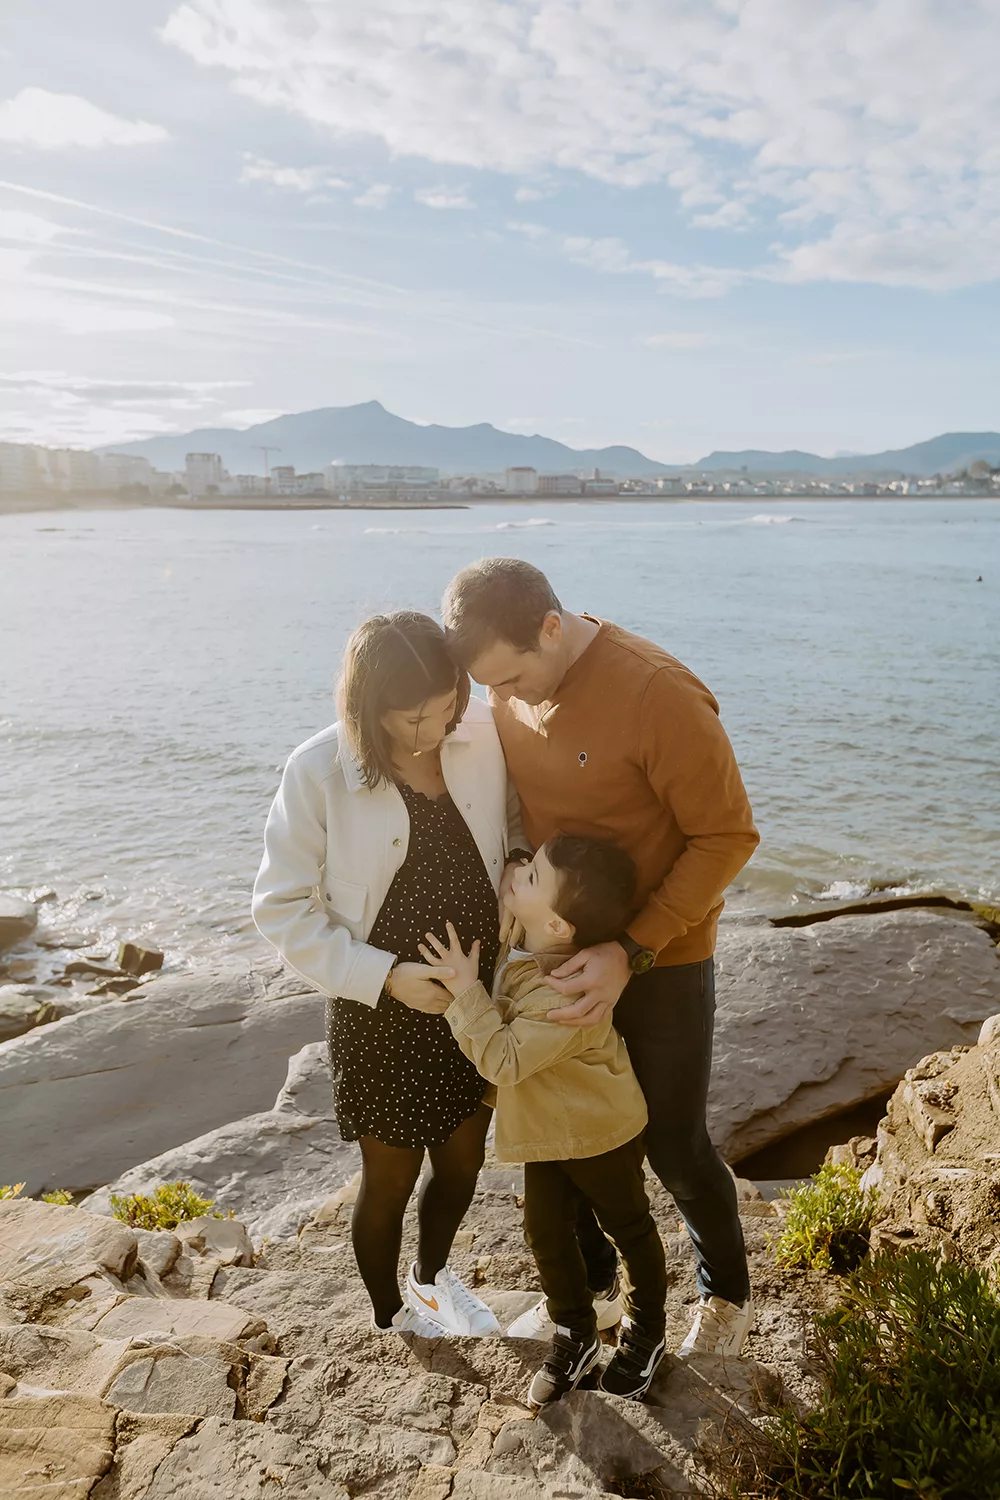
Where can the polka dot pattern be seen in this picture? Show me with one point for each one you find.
(399, 1075)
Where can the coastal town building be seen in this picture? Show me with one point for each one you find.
(521, 480)
(204, 473)
(559, 484)
(346, 478)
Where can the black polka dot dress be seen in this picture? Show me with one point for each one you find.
(399, 1075)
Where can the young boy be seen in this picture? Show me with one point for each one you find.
(569, 1107)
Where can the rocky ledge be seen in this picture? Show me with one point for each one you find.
(156, 1366)
(810, 1021)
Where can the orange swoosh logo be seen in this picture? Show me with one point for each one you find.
(430, 1302)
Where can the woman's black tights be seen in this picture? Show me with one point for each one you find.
(389, 1175)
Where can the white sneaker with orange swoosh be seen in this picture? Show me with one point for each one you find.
(449, 1303)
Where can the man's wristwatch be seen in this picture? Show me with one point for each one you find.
(640, 960)
(519, 856)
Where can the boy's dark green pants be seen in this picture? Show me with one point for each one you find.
(613, 1185)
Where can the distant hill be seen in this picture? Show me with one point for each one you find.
(368, 434)
(941, 455)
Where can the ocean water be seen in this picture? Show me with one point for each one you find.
(157, 666)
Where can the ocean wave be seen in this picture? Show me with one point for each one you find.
(520, 525)
(845, 890)
(769, 519)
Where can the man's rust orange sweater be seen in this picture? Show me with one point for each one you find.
(631, 748)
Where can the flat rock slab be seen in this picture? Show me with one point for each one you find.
(46, 1248)
(812, 1020)
(135, 1317)
(227, 1460)
(89, 1096)
(18, 920)
(272, 1169)
(57, 1446)
(19, 1005)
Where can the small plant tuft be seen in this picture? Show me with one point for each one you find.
(910, 1365)
(827, 1222)
(58, 1195)
(164, 1208)
(11, 1190)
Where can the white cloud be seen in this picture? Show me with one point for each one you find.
(442, 197)
(297, 179)
(532, 194)
(529, 230)
(376, 196)
(27, 228)
(35, 117)
(868, 126)
(679, 340)
(249, 416)
(612, 255)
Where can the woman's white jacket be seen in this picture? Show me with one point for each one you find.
(332, 847)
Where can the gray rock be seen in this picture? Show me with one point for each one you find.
(66, 1437)
(814, 1019)
(47, 1249)
(19, 1005)
(91, 1095)
(273, 1169)
(989, 1035)
(18, 920)
(181, 1382)
(226, 1460)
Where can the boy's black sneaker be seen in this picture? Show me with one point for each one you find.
(570, 1359)
(634, 1363)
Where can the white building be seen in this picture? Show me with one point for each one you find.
(203, 473)
(346, 477)
(121, 471)
(559, 484)
(22, 467)
(283, 479)
(521, 480)
(244, 484)
(74, 469)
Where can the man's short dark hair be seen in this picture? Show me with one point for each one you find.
(497, 598)
(597, 881)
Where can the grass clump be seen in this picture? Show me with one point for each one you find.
(827, 1221)
(11, 1190)
(910, 1364)
(164, 1208)
(58, 1195)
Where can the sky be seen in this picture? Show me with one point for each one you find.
(684, 225)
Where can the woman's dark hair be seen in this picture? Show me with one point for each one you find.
(597, 881)
(395, 661)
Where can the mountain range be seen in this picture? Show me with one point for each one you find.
(368, 434)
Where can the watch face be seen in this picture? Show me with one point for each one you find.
(643, 961)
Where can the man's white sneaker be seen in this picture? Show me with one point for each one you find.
(449, 1303)
(719, 1327)
(407, 1321)
(536, 1323)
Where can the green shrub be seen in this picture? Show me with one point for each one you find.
(910, 1363)
(11, 1191)
(57, 1195)
(827, 1222)
(164, 1208)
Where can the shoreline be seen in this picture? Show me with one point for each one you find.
(62, 504)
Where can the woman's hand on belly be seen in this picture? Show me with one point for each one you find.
(419, 986)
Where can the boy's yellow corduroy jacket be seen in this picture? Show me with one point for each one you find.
(563, 1092)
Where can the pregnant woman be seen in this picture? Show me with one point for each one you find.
(385, 826)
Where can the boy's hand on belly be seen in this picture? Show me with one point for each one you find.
(594, 979)
(459, 971)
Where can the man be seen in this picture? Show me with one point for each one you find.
(606, 735)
